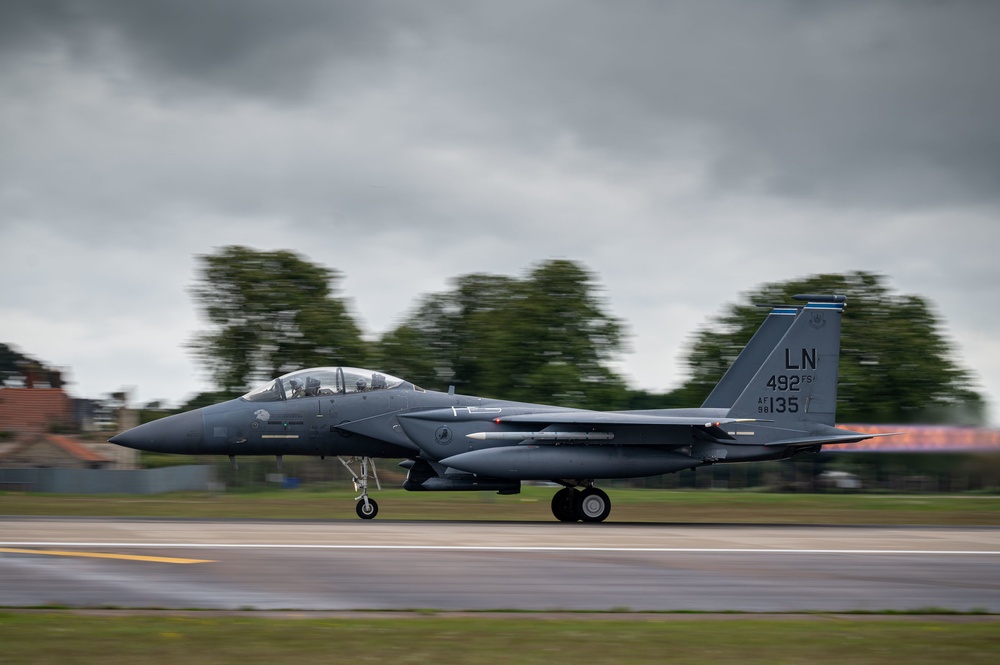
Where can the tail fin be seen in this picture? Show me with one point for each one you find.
(753, 355)
(798, 380)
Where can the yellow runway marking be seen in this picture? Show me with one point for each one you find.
(106, 555)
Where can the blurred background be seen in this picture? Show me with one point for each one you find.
(546, 337)
(574, 203)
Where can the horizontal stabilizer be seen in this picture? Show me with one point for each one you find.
(823, 439)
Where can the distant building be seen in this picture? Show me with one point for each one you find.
(34, 410)
(53, 451)
(33, 422)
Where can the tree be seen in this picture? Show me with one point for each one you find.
(20, 369)
(271, 312)
(545, 338)
(895, 364)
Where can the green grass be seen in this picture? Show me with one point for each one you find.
(630, 505)
(68, 638)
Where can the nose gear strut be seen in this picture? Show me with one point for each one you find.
(367, 508)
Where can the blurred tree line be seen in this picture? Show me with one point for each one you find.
(548, 337)
(896, 366)
(17, 369)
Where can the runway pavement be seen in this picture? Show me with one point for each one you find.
(347, 565)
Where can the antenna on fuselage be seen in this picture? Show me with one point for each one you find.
(811, 297)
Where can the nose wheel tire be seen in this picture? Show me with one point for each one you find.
(564, 505)
(367, 510)
(592, 505)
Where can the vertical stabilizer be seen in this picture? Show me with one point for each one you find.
(753, 355)
(797, 383)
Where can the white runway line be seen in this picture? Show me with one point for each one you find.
(498, 548)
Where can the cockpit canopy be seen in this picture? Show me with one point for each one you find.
(322, 381)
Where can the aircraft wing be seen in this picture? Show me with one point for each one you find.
(538, 423)
(584, 417)
(714, 428)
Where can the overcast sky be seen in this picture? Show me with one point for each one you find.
(684, 152)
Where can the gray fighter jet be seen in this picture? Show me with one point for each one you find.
(777, 400)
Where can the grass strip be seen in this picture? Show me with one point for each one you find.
(67, 639)
(629, 505)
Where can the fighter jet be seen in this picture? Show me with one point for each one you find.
(777, 400)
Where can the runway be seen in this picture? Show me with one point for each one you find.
(385, 565)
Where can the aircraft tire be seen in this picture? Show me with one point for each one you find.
(371, 512)
(564, 505)
(592, 505)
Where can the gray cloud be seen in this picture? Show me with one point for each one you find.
(877, 104)
(684, 151)
(252, 48)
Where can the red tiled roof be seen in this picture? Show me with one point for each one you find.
(75, 448)
(33, 409)
(67, 444)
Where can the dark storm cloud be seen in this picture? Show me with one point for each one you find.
(853, 103)
(252, 47)
(877, 103)
(682, 150)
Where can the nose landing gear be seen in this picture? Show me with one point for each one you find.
(367, 508)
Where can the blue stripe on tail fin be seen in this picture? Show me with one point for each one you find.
(797, 383)
(753, 355)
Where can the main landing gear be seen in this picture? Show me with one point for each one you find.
(366, 509)
(587, 505)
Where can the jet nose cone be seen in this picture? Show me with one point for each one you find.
(183, 433)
